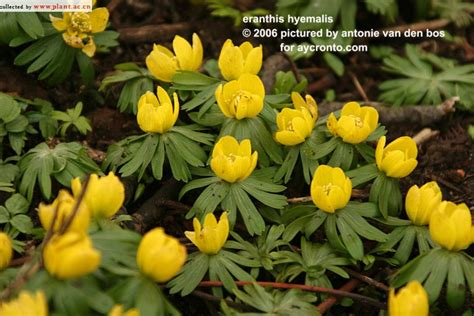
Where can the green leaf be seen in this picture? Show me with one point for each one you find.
(23, 223)
(209, 199)
(149, 299)
(363, 174)
(17, 204)
(456, 288)
(192, 80)
(86, 67)
(252, 219)
(351, 240)
(435, 280)
(192, 273)
(286, 169)
(335, 63)
(30, 23)
(406, 245)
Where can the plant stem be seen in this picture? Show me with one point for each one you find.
(316, 289)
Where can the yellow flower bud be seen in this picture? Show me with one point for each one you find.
(398, 159)
(77, 28)
(355, 124)
(421, 202)
(411, 300)
(294, 126)
(163, 64)
(26, 304)
(451, 226)
(235, 61)
(308, 104)
(117, 310)
(6, 251)
(104, 195)
(210, 238)
(330, 189)
(160, 256)
(231, 161)
(241, 98)
(70, 255)
(64, 205)
(157, 115)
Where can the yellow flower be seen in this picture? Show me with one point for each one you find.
(355, 124)
(294, 126)
(104, 195)
(411, 300)
(64, 205)
(421, 202)
(117, 310)
(26, 304)
(70, 255)
(451, 226)
(330, 188)
(157, 114)
(210, 238)
(235, 61)
(241, 98)
(78, 27)
(398, 159)
(160, 256)
(163, 64)
(308, 104)
(6, 251)
(232, 161)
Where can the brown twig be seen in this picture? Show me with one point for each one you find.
(359, 87)
(356, 193)
(19, 261)
(419, 26)
(152, 33)
(77, 205)
(330, 301)
(322, 84)
(367, 280)
(294, 68)
(424, 135)
(309, 288)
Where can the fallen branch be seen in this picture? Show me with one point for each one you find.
(367, 280)
(424, 135)
(356, 193)
(309, 288)
(152, 33)
(330, 301)
(420, 115)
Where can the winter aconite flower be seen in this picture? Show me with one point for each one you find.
(78, 27)
(212, 236)
(117, 310)
(308, 103)
(6, 250)
(104, 196)
(235, 61)
(294, 126)
(26, 304)
(241, 98)
(232, 161)
(163, 64)
(397, 159)
(330, 189)
(64, 205)
(451, 226)
(156, 113)
(411, 300)
(355, 124)
(421, 202)
(160, 256)
(70, 255)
